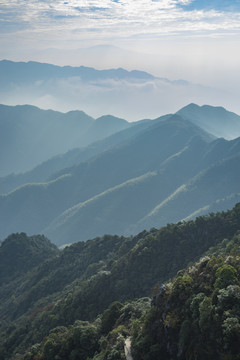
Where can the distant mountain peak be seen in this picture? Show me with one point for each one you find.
(110, 118)
(214, 119)
(191, 106)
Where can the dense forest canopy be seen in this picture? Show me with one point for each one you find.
(79, 302)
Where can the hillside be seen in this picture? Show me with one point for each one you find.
(52, 167)
(212, 185)
(29, 135)
(158, 165)
(182, 320)
(146, 152)
(215, 120)
(20, 254)
(133, 205)
(85, 278)
(197, 313)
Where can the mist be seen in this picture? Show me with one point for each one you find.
(132, 99)
(210, 66)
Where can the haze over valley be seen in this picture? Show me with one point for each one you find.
(133, 95)
(128, 177)
(119, 180)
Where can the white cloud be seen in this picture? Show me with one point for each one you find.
(110, 18)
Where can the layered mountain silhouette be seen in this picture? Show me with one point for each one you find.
(29, 135)
(126, 94)
(29, 72)
(144, 176)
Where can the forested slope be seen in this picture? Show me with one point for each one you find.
(196, 314)
(85, 278)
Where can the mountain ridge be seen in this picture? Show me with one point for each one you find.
(104, 181)
(131, 94)
(215, 120)
(172, 148)
(87, 278)
(50, 70)
(30, 135)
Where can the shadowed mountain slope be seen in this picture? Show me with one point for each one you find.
(41, 203)
(57, 165)
(101, 128)
(29, 135)
(215, 120)
(149, 174)
(100, 195)
(117, 209)
(20, 254)
(215, 184)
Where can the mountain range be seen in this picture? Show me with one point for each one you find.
(148, 174)
(23, 73)
(30, 135)
(126, 94)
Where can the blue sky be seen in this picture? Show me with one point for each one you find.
(220, 5)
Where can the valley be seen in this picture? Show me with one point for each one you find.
(119, 180)
(134, 179)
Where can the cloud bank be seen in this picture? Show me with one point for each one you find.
(132, 100)
(106, 19)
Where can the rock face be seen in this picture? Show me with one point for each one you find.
(127, 349)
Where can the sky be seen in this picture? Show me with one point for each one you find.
(194, 40)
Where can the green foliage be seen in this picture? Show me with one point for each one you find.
(226, 275)
(206, 324)
(20, 253)
(229, 298)
(194, 306)
(231, 333)
(205, 314)
(44, 306)
(185, 334)
(85, 341)
(79, 341)
(110, 316)
(182, 286)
